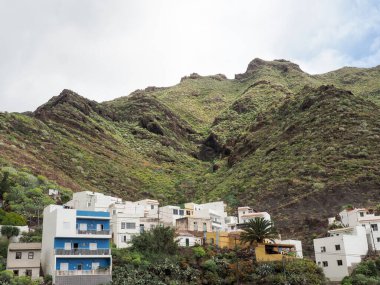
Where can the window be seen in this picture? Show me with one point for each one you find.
(175, 212)
(142, 228)
(374, 227)
(195, 226)
(15, 272)
(378, 239)
(18, 254)
(181, 212)
(323, 249)
(114, 212)
(243, 212)
(340, 262)
(337, 247)
(188, 213)
(130, 226)
(28, 272)
(30, 255)
(325, 263)
(361, 215)
(122, 226)
(88, 204)
(151, 207)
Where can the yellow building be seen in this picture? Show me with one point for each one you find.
(264, 251)
(274, 251)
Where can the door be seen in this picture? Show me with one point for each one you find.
(187, 242)
(95, 265)
(64, 266)
(93, 246)
(67, 245)
(99, 227)
(79, 267)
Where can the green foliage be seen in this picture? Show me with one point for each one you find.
(9, 231)
(199, 251)
(156, 241)
(258, 230)
(11, 219)
(32, 236)
(366, 272)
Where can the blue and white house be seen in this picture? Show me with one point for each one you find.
(76, 246)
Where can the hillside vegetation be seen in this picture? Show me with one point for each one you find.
(276, 138)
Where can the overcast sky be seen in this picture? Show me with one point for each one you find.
(106, 49)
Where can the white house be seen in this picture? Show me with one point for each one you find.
(246, 213)
(186, 239)
(215, 211)
(362, 217)
(92, 201)
(76, 246)
(341, 251)
(169, 214)
(132, 218)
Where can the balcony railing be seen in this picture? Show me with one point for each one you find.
(83, 251)
(93, 232)
(82, 272)
(216, 222)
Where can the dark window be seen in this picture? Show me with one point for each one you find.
(152, 207)
(181, 212)
(15, 272)
(130, 226)
(374, 227)
(18, 254)
(28, 272)
(79, 266)
(361, 214)
(340, 262)
(122, 226)
(337, 247)
(30, 255)
(175, 212)
(378, 239)
(323, 249)
(325, 263)
(188, 213)
(187, 242)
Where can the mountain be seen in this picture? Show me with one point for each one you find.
(297, 145)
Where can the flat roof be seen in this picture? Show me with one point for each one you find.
(24, 246)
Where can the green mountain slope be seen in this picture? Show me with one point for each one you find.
(274, 137)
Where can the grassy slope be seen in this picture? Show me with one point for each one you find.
(281, 156)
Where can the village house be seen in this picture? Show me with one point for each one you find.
(186, 239)
(247, 213)
(24, 259)
(76, 246)
(92, 201)
(132, 218)
(338, 253)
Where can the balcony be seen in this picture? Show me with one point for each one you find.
(83, 251)
(93, 232)
(216, 222)
(83, 272)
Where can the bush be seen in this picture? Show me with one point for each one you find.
(199, 252)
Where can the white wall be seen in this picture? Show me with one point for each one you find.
(22, 229)
(192, 241)
(353, 245)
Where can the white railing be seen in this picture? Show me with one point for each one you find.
(83, 251)
(82, 272)
(93, 232)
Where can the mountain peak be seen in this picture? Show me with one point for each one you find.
(67, 98)
(279, 64)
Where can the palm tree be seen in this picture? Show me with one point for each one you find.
(257, 230)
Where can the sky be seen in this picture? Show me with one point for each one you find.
(107, 49)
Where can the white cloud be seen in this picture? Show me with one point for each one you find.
(106, 49)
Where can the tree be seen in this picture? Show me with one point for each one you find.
(9, 231)
(257, 230)
(158, 240)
